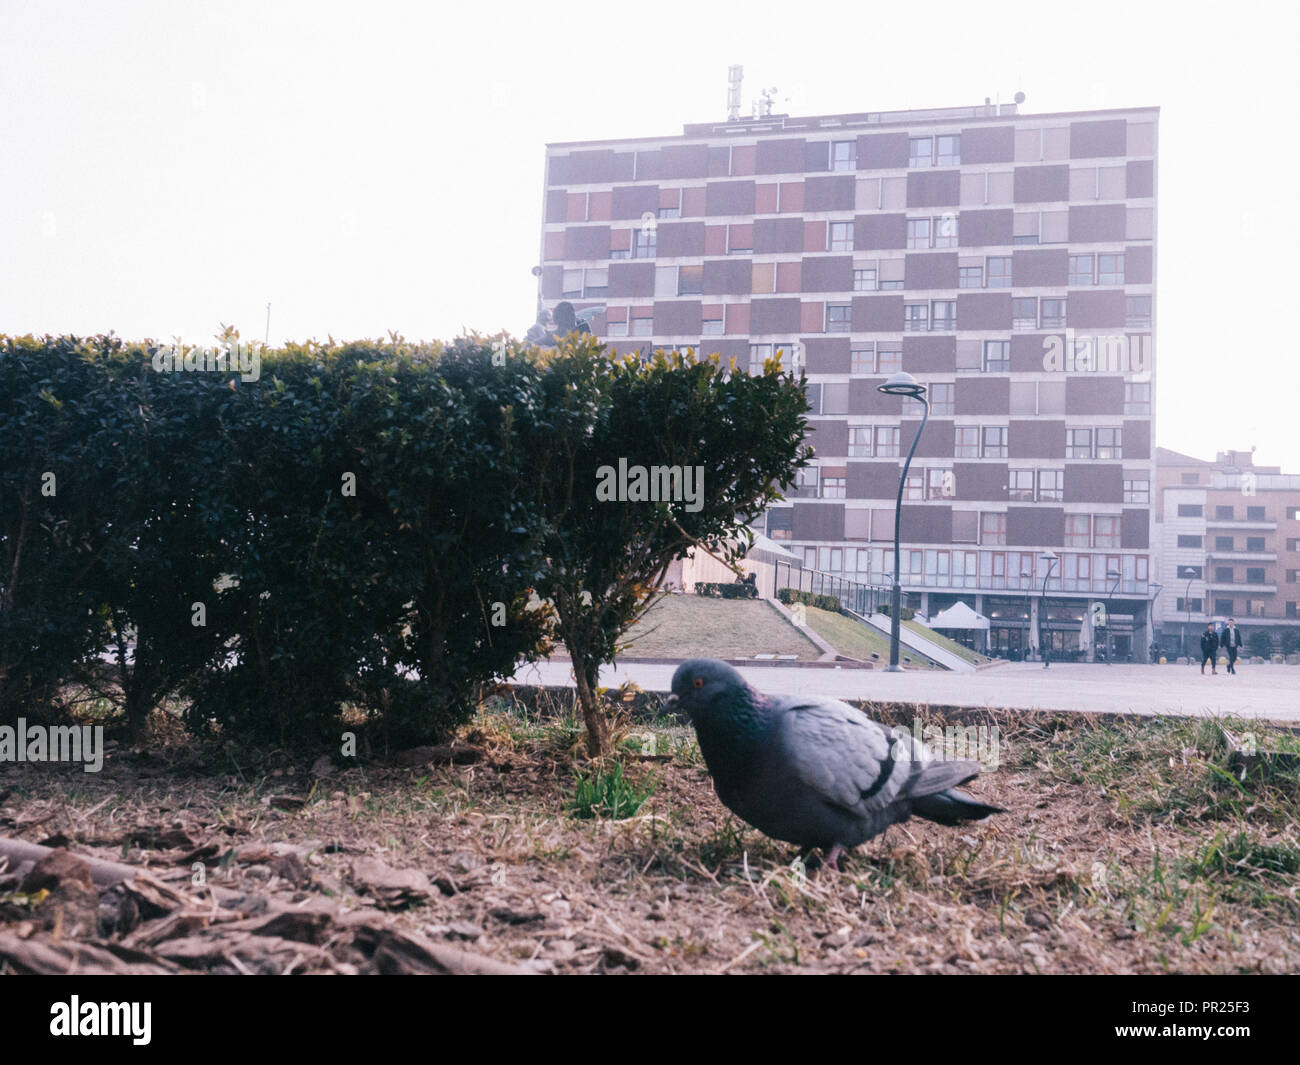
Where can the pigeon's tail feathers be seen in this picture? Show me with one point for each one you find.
(952, 807)
(935, 776)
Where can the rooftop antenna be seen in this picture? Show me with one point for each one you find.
(735, 75)
(763, 105)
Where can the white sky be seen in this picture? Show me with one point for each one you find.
(169, 166)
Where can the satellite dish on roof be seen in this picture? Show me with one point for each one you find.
(1020, 97)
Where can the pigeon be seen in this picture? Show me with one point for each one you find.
(815, 772)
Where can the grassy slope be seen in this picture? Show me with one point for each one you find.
(852, 638)
(948, 644)
(686, 626)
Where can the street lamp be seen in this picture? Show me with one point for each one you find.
(1110, 643)
(901, 384)
(1190, 573)
(1050, 557)
(1027, 587)
(1152, 615)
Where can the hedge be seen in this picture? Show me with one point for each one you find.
(822, 602)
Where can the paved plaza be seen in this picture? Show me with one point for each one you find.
(1263, 691)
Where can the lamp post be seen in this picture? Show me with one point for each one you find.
(901, 384)
(1152, 614)
(1110, 643)
(1190, 574)
(1028, 587)
(1050, 557)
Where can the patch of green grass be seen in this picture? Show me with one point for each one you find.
(852, 638)
(605, 792)
(948, 644)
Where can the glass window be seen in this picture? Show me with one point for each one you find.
(1080, 270)
(1052, 314)
(844, 155)
(1191, 541)
(839, 317)
(1255, 543)
(1109, 443)
(712, 327)
(938, 483)
(572, 283)
(690, 280)
(860, 437)
(1137, 311)
(993, 530)
(1110, 269)
(1024, 312)
(994, 438)
(1078, 443)
(999, 271)
(1137, 490)
(943, 315)
(997, 356)
(1137, 397)
(888, 362)
(864, 280)
(943, 398)
(862, 360)
(920, 152)
(833, 487)
(916, 317)
(947, 150)
(967, 442)
(945, 231)
(841, 236)
(1105, 531)
(1078, 530)
(970, 277)
(918, 232)
(642, 327)
(886, 442)
(1051, 486)
(1255, 514)
(1020, 486)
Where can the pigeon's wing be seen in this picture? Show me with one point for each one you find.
(857, 763)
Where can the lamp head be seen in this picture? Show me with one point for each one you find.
(902, 384)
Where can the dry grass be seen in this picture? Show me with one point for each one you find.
(1129, 846)
(685, 626)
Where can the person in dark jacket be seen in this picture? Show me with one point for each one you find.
(1210, 649)
(1231, 641)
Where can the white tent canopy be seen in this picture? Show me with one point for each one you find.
(959, 616)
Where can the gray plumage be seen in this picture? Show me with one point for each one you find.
(815, 772)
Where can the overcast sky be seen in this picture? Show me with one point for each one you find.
(167, 167)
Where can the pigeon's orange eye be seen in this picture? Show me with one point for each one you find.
(699, 682)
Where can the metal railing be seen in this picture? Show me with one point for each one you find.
(853, 595)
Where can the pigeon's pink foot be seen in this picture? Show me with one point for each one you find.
(833, 859)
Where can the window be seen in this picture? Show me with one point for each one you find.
(943, 398)
(947, 150)
(642, 327)
(999, 271)
(712, 326)
(888, 362)
(970, 277)
(841, 236)
(1291, 610)
(945, 231)
(1255, 514)
(1051, 486)
(1078, 530)
(1255, 575)
(864, 280)
(1105, 531)
(1137, 397)
(690, 280)
(1190, 478)
(1024, 312)
(1080, 270)
(1223, 606)
(833, 486)
(1255, 543)
(1109, 443)
(993, 529)
(1052, 314)
(920, 152)
(617, 329)
(916, 317)
(1078, 443)
(943, 315)
(1222, 543)
(572, 283)
(780, 523)
(1190, 510)
(644, 243)
(1188, 606)
(862, 360)
(886, 442)
(1110, 269)
(1292, 513)
(967, 442)
(994, 442)
(938, 484)
(918, 233)
(1222, 513)
(805, 482)
(844, 155)
(914, 486)
(596, 281)
(759, 354)
(1137, 311)
(839, 317)
(1293, 545)
(1137, 490)
(997, 356)
(1020, 486)
(860, 437)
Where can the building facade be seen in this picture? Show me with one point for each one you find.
(1227, 546)
(1006, 260)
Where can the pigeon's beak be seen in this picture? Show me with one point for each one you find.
(670, 704)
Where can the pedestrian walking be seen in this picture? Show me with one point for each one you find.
(1231, 640)
(1210, 649)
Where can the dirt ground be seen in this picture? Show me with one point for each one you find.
(1128, 846)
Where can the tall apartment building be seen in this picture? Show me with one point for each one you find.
(1227, 546)
(1006, 260)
